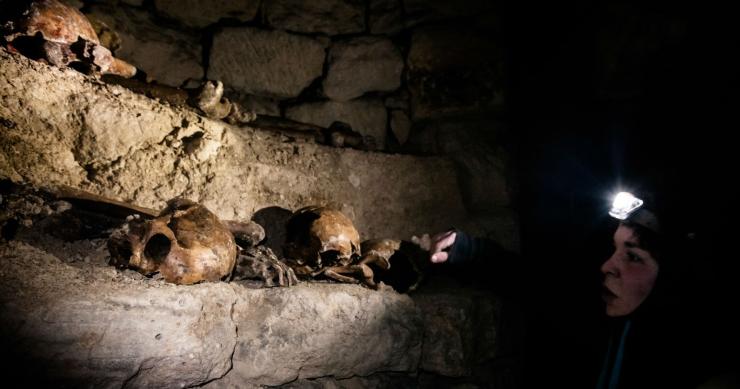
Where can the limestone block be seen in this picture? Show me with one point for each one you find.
(94, 325)
(427, 11)
(85, 327)
(168, 56)
(257, 104)
(385, 17)
(330, 17)
(400, 125)
(366, 116)
(265, 63)
(458, 326)
(69, 322)
(482, 152)
(352, 330)
(454, 70)
(200, 14)
(362, 65)
(398, 100)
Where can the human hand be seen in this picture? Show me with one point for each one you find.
(439, 244)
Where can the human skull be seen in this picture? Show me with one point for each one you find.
(319, 237)
(397, 263)
(185, 244)
(54, 32)
(380, 251)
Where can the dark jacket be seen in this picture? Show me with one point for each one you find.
(667, 345)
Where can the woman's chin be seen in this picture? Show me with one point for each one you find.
(614, 309)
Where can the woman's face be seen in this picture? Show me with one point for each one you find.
(629, 274)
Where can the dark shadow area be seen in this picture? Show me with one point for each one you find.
(608, 94)
(273, 220)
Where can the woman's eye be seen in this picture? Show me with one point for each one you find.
(634, 257)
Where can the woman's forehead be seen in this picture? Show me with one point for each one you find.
(626, 234)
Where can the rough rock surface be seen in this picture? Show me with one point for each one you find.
(362, 65)
(330, 17)
(385, 16)
(265, 63)
(91, 324)
(429, 11)
(58, 126)
(460, 330)
(87, 324)
(400, 125)
(71, 320)
(366, 116)
(469, 142)
(454, 70)
(256, 104)
(196, 13)
(168, 56)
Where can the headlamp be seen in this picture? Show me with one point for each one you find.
(624, 204)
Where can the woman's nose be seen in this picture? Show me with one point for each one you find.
(610, 265)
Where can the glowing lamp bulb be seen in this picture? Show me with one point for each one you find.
(624, 204)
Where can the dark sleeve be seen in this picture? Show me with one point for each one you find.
(470, 251)
(485, 259)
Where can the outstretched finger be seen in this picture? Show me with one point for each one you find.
(439, 257)
(443, 241)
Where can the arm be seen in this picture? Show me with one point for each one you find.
(482, 257)
(458, 248)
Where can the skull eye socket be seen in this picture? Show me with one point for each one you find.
(124, 252)
(298, 227)
(157, 247)
(30, 46)
(330, 256)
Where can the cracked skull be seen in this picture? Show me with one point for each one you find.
(50, 31)
(185, 244)
(320, 240)
(394, 262)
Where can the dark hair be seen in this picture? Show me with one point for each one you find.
(674, 251)
(678, 220)
(649, 240)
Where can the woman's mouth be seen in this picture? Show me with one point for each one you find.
(607, 295)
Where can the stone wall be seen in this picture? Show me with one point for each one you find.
(81, 322)
(419, 60)
(60, 127)
(69, 320)
(413, 77)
